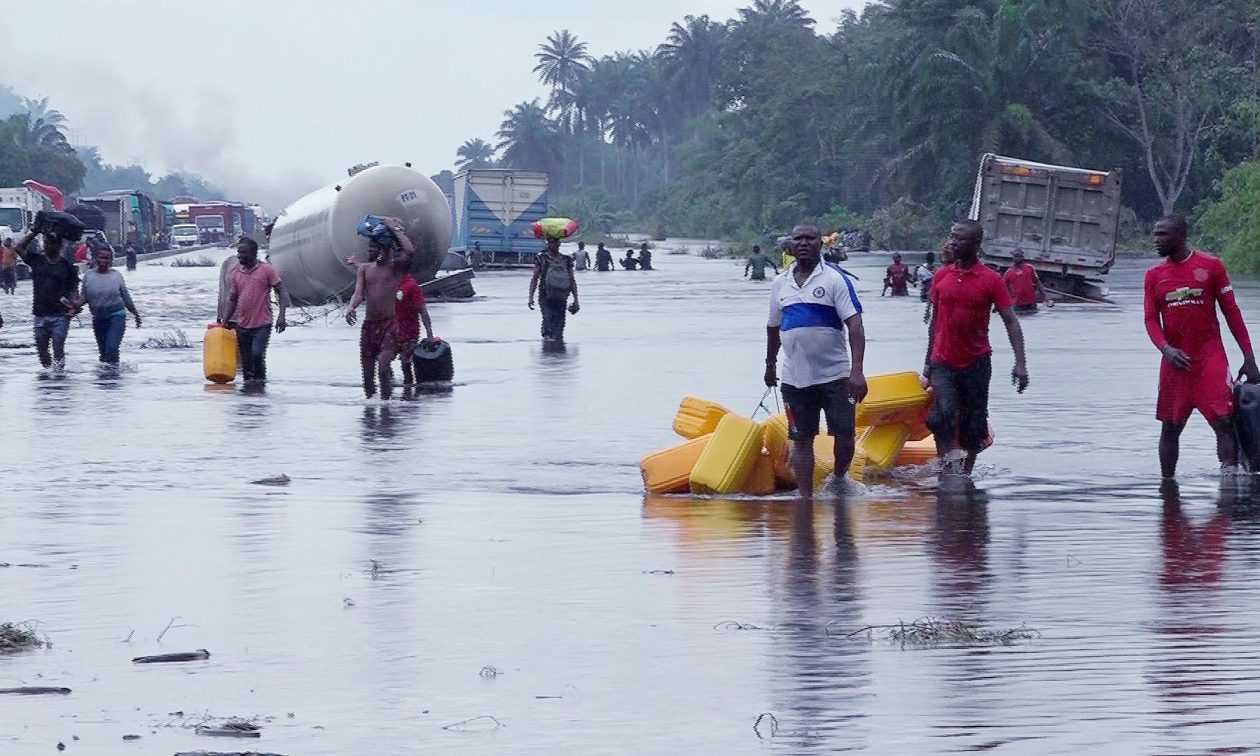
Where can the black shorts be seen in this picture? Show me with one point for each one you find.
(832, 399)
(960, 403)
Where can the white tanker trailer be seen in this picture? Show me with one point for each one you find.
(313, 235)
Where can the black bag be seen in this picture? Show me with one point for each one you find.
(1247, 424)
(61, 225)
(433, 362)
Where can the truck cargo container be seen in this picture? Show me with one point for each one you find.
(497, 208)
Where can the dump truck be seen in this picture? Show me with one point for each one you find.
(494, 209)
(1063, 218)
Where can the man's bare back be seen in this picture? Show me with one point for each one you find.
(380, 288)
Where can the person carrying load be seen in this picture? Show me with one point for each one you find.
(553, 278)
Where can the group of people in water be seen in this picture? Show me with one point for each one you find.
(816, 321)
(604, 260)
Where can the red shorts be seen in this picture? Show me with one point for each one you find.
(378, 336)
(1204, 387)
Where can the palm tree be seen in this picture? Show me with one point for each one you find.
(561, 63)
(691, 58)
(32, 133)
(530, 139)
(39, 110)
(765, 15)
(474, 153)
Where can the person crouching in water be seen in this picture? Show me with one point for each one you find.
(553, 271)
(105, 293)
(378, 283)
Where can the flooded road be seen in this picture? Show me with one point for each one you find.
(479, 570)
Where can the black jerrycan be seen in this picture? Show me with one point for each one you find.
(433, 362)
(1247, 424)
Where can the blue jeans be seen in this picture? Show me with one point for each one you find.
(109, 335)
(252, 343)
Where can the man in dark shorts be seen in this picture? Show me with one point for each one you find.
(1182, 294)
(811, 305)
(959, 358)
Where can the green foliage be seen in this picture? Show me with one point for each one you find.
(842, 217)
(906, 224)
(1230, 226)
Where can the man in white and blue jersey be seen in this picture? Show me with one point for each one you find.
(812, 304)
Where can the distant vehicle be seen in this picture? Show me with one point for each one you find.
(185, 235)
(1063, 218)
(497, 208)
(131, 217)
(18, 205)
(216, 221)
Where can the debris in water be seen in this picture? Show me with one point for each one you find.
(348, 602)
(226, 753)
(658, 572)
(733, 625)
(772, 725)
(18, 636)
(24, 564)
(276, 480)
(131, 737)
(483, 723)
(489, 672)
(169, 627)
(191, 262)
(233, 728)
(35, 691)
(184, 656)
(175, 339)
(933, 631)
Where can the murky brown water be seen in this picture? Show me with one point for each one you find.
(508, 529)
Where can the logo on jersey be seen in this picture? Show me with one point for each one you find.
(1201, 275)
(1184, 296)
(819, 292)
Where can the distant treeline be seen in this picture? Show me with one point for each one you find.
(732, 126)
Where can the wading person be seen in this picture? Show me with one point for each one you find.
(756, 265)
(1025, 285)
(959, 362)
(812, 304)
(1182, 294)
(628, 262)
(603, 259)
(645, 257)
(8, 267)
(923, 276)
(130, 253)
(582, 258)
(553, 280)
(409, 312)
(55, 283)
(377, 283)
(897, 277)
(249, 307)
(105, 293)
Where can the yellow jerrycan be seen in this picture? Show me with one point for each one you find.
(219, 354)
(698, 417)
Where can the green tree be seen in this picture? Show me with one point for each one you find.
(530, 140)
(474, 153)
(1231, 225)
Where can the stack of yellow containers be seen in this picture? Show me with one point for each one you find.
(726, 453)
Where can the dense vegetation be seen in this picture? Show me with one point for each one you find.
(33, 145)
(732, 126)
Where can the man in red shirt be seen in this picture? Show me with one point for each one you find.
(1025, 286)
(959, 358)
(1182, 293)
(409, 312)
(897, 277)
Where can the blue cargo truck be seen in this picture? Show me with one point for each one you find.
(496, 208)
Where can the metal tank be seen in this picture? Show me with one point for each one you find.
(314, 234)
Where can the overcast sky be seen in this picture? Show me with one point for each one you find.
(271, 99)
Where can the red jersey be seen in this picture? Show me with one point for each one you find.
(963, 301)
(897, 277)
(1181, 301)
(407, 305)
(1021, 280)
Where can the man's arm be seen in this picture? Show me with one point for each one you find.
(1019, 374)
(22, 244)
(1155, 328)
(282, 303)
(396, 228)
(772, 355)
(533, 282)
(424, 319)
(1237, 326)
(857, 353)
(357, 298)
(573, 281)
(230, 310)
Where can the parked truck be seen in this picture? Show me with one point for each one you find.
(132, 217)
(18, 205)
(1063, 218)
(214, 220)
(495, 209)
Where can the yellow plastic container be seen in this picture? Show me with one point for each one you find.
(892, 398)
(779, 447)
(761, 481)
(728, 459)
(219, 354)
(669, 470)
(824, 457)
(877, 449)
(918, 452)
(698, 417)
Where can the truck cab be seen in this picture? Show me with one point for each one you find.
(185, 235)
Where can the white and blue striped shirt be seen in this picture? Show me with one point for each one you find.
(811, 318)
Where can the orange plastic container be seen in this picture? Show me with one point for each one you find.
(669, 470)
(761, 481)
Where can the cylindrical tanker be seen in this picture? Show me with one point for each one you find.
(313, 235)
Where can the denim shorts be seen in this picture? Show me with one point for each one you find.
(56, 327)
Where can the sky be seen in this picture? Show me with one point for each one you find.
(273, 98)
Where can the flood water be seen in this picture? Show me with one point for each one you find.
(502, 525)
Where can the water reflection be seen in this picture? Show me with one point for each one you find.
(960, 549)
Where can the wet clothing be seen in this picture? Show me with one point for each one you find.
(645, 259)
(1180, 304)
(131, 258)
(603, 260)
(629, 263)
(51, 280)
(811, 319)
(960, 403)
(109, 330)
(923, 277)
(377, 336)
(757, 265)
(963, 300)
(253, 294)
(554, 315)
(8, 278)
(106, 293)
(832, 399)
(251, 344)
(407, 307)
(548, 269)
(582, 259)
(55, 327)
(1021, 281)
(897, 279)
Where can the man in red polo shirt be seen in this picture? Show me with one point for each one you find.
(959, 358)
(1182, 293)
(1025, 285)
